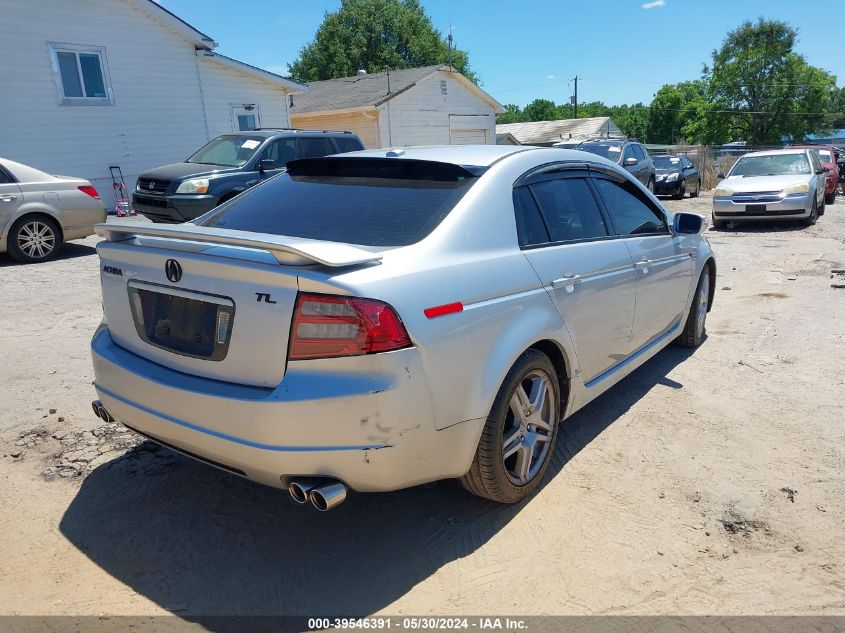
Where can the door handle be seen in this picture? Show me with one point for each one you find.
(8, 198)
(643, 263)
(568, 281)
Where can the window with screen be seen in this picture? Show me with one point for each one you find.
(80, 74)
(569, 209)
(629, 210)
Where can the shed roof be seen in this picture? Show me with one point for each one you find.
(547, 132)
(358, 91)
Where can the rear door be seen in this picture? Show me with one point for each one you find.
(663, 261)
(587, 271)
(10, 199)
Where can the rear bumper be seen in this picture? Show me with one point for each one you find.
(173, 208)
(788, 207)
(372, 429)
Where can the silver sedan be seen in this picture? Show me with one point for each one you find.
(383, 319)
(786, 184)
(38, 212)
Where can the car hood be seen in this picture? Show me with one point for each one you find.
(763, 183)
(666, 170)
(177, 171)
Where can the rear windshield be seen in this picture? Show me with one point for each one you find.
(613, 152)
(382, 209)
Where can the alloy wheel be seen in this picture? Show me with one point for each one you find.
(529, 427)
(703, 301)
(36, 239)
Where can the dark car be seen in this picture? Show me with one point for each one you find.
(676, 176)
(228, 165)
(631, 155)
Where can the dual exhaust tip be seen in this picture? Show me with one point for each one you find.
(323, 495)
(100, 411)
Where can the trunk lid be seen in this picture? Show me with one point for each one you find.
(208, 302)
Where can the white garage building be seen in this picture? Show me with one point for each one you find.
(92, 83)
(433, 105)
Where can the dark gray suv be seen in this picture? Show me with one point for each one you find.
(631, 155)
(228, 165)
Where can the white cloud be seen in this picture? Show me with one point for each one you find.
(654, 3)
(550, 77)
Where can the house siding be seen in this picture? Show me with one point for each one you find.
(153, 78)
(362, 123)
(222, 88)
(421, 115)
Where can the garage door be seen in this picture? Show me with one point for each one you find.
(468, 137)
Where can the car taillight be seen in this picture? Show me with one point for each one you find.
(89, 190)
(327, 326)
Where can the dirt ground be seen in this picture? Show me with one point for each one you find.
(708, 482)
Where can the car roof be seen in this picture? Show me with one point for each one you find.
(608, 141)
(268, 133)
(25, 173)
(471, 155)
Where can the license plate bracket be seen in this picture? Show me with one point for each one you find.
(755, 208)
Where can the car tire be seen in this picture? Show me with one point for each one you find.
(650, 185)
(694, 193)
(814, 215)
(34, 238)
(830, 198)
(682, 191)
(717, 224)
(514, 452)
(696, 325)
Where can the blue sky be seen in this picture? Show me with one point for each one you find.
(622, 50)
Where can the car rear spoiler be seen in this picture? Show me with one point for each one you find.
(289, 251)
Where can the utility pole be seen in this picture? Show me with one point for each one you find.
(575, 98)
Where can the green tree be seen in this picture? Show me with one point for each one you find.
(768, 90)
(673, 109)
(512, 114)
(541, 110)
(375, 35)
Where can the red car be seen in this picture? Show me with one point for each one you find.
(827, 157)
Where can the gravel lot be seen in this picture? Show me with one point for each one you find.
(707, 482)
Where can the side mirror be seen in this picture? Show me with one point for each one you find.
(266, 165)
(721, 175)
(688, 223)
(822, 171)
(631, 161)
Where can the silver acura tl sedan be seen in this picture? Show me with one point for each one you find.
(786, 184)
(383, 319)
(39, 212)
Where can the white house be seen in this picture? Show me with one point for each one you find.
(88, 84)
(433, 105)
(561, 131)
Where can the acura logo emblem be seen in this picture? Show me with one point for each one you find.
(173, 270)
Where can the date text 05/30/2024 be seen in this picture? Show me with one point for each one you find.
(418, 623)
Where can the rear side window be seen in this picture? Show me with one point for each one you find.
(530, 228)
(348, 144)
(393, 205)
(630, 212)
(569, 209)
(314, 147)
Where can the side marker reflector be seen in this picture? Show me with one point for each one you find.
(446, 308)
